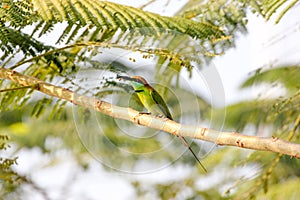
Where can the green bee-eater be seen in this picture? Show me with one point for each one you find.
(154, 103)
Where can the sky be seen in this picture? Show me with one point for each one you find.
(265, 44)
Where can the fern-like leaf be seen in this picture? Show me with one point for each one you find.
(270, 7)
(107, 15)
(290, 80)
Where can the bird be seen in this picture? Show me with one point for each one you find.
(154, 103)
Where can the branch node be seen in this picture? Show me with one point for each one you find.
(240, 143)
(136, 118)
(36, 86)
(66, 89)
(98, 104)
(11, 73)
(274, 139)
(203, 131)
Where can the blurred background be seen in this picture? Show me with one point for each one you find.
(248, 82)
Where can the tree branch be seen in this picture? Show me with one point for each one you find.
(221, 138)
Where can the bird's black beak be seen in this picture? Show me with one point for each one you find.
(124, 77)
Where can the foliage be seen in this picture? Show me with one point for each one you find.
(89, 31)
(8, 177)
(276, 111)
(270, 7)
(276, 117)
(288, 76)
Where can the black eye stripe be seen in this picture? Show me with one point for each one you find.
(139, 81)
(138, 91)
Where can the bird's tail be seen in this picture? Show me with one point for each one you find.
(183, 140)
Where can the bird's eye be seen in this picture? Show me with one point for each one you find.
(139, 81)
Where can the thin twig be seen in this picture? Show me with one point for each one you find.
(18, 88)
(146, 4)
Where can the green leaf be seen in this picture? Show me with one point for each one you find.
(289, 76)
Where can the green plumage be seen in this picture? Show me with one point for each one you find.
(154, 103)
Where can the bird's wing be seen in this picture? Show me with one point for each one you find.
(163, 106)
(161, 103)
